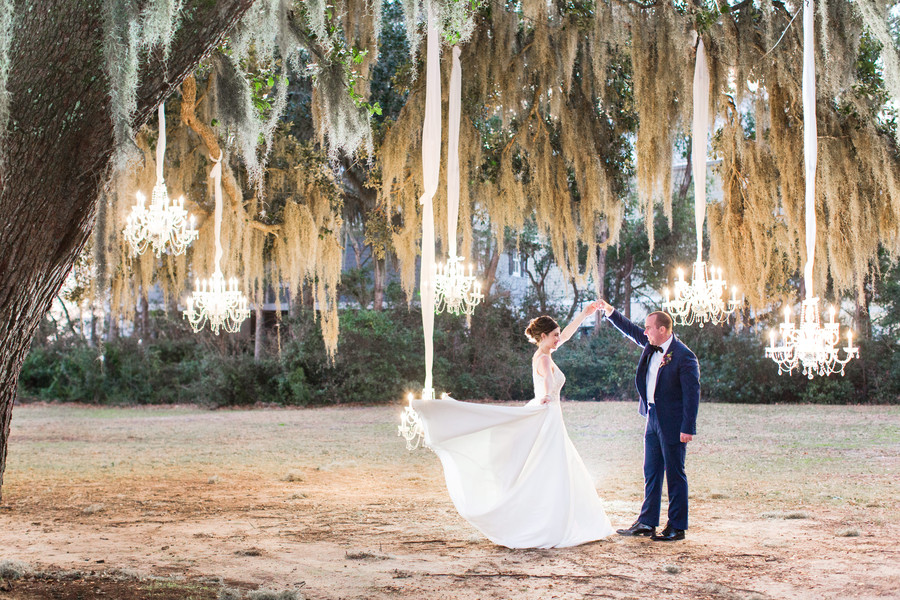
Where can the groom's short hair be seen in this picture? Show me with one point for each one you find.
(662, 319)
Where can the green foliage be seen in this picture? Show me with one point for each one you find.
(380, 360)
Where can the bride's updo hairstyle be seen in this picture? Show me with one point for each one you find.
(539, 325)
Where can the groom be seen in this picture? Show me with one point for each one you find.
(668, 382)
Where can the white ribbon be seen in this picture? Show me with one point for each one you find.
(810, 151)
(698, 145)
(161, 145)
(216, 174)
(431, 166)
(453, 152)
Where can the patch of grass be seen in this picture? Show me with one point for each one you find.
(364, 556)
(721, 591)
(848, 532)
(672, 569)
(13, 569)
(92, 509)
(780, 514)
(264, 594)
(292, 477)
(250, 552)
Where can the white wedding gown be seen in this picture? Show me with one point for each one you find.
(513, 472)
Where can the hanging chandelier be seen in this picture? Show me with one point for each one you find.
(164, 225)
(410, 428)
(454, 291)
(812, 346)
(217, 302)
(214, 301)
(700, 300)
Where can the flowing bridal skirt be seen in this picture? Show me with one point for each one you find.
(513, 473)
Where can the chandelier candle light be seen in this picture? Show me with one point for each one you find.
(410, 427)
(164, 226)
(701, 299)
(221, 304)
(811, 347)
(455, 291)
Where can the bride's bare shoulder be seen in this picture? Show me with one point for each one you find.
(542, 363)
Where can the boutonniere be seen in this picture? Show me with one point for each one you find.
(666, 360)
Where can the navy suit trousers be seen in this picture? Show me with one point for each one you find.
(661, 458)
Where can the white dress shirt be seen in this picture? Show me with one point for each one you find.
(653, 369)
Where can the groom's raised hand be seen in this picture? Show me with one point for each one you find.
(606, 307)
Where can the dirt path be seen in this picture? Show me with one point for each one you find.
(787, 502)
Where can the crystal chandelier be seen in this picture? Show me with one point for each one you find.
(455, 291)
(164, 226)
(410, 428)
(220, 304)
(812, 346)
(700, 300)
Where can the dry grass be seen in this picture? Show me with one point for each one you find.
(374, 521)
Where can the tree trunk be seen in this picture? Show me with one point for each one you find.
(380, 271)
(58, 146)
(864, 331)
(490, 274)
(600, 273)
(577, 298)
(112, 330)
(145, 315)
(259, 337)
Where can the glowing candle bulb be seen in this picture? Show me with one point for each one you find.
(771, 338)
(831, 310)
(666, 293)
(734, 293)
(787, 314)
(849, 339)
(680, 274)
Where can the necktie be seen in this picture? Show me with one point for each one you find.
(654, 348)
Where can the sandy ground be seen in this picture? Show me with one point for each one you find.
(786, 502)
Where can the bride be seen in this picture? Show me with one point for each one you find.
(513, 472)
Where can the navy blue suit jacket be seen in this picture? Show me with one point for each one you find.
(677, 394)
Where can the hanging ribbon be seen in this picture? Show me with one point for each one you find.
(161, 146)
(700, 126)
(453, 152)
(810, 140)
(216, 175)
(431, 165)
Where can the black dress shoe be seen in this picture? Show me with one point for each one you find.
(638, 528)
(668, 534)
